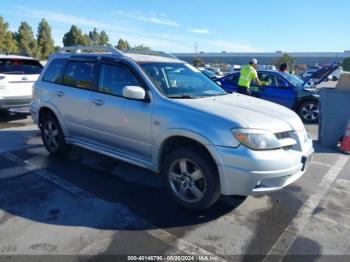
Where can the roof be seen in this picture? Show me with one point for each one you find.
(262, 71)
(16, 57)
(133, 56)
(152, 58)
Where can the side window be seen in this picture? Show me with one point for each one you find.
(113, 78)
(282, 83)
(79, 74)
(268, 80)
(54, 72)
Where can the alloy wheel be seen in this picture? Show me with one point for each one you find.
(51, 135)
(310, 112)
(187, 180)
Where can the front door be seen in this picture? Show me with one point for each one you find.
(121, 124)
(276, 90)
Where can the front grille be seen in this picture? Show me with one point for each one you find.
(284, 135)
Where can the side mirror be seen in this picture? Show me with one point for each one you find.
(134, 92)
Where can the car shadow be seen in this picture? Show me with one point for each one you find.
(9, 118)
(89, 190)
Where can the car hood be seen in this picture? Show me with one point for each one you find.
(248, 112)
(320, 75)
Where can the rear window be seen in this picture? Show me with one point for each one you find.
(20, 67)
(54, 73)
(79, 74)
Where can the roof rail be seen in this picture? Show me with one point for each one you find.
(149, 52)
(90, 49)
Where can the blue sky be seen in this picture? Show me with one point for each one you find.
(175, 26)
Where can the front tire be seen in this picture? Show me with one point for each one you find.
(192, 178)
(53, 137)
(309, 111)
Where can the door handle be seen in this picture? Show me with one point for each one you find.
(98, 102)
(59, 93)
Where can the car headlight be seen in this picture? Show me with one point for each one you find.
(256, 139)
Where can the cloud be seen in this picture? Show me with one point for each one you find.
(151, 17)
(156, 42)
(200, 31)
(169, 42)
(70, 19)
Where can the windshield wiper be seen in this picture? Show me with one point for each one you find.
(183, 97)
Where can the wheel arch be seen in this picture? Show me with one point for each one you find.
(304, 99)
(180, 138)
(48, 108)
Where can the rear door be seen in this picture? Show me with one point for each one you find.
(275, 89)
(18, 76)
(71, 94)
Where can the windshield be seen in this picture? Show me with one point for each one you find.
(20, 67)
(294, 80)
(179, 80)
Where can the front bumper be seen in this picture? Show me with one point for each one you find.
(247, 172)
(14, 102)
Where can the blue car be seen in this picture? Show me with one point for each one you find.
(286, 89)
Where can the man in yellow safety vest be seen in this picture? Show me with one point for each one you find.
(248, 74)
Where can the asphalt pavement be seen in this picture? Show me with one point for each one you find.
(88, 204)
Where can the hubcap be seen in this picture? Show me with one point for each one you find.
(187, 180)
(310, 112)
(51, 135)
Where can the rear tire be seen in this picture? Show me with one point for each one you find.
(309, 111)
(191, 178)
(53, 137)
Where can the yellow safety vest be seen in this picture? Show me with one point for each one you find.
(248, 74)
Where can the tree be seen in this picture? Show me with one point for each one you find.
(141, 48)
(286, 59)
(44, 39)
(94, 37)
(198, 62)
(75, 37)
(103, 39)
(7, 41)
(127, 45)
(121, 45)
(346, 64)
(85, 40)
(97, 38)
(26, 42)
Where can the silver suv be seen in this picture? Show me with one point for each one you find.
(162, 114)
